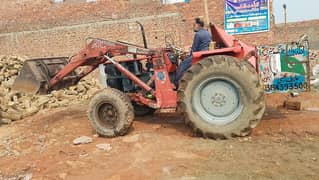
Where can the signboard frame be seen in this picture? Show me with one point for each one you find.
(251, 32)
(285, 67)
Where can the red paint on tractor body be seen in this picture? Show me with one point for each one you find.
(163, 96)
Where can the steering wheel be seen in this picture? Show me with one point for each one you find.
(179, 53)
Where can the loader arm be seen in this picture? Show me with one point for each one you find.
(43, 75)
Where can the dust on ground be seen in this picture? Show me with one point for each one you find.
(284, 146)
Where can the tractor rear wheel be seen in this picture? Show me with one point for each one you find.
(221, 97)
(111, 113)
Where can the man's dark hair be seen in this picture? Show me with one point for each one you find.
(199, 22)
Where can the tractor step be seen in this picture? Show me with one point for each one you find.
(168, 110)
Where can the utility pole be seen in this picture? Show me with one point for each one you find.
(286, 35)
(206, 12)
(285, 14)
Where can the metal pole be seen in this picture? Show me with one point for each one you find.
(286, 35)
(206, 12)
(285, 14)
(308, 66)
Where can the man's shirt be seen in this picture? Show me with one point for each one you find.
(202, 41)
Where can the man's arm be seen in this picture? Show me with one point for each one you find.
(196, 43)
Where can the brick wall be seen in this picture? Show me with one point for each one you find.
(66, 40)
(42, 28)
(295, 30)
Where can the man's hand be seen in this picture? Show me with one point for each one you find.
(187, 49)
(184, 55)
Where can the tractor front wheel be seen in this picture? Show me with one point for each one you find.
(111, 113)
(221, 97)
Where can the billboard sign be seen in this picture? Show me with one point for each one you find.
(174, 1)
(283, 71)
(246, 16)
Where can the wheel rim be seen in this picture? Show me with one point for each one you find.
(107, 115)
(217, 101)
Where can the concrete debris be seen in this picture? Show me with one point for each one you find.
(167, 171)
(294, 94)
(131, 139)
(16, 106)
(315, 83)
(82, 140)
(18, 177)
(315, 70)
(28, 176)
(104, 147)
(314, 55)
(292, 105)
(63, 175)
(5, 121)
(312, 109)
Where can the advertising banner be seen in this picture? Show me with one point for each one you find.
(283, 71)
(174, 1)
(246, 16)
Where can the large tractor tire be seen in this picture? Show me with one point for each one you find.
(221, 97)
(111, 113)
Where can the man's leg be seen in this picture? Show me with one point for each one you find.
(187, 63)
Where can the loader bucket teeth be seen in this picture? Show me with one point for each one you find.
(35, 75)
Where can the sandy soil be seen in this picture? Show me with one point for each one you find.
(284, 146)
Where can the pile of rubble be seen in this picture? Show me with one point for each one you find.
(15, 106)
(314, 55)
(314, 63)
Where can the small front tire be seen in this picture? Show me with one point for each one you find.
(111, 113)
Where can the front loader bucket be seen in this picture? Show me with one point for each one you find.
(36, 74)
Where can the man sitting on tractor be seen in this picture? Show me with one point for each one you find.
(201, 42)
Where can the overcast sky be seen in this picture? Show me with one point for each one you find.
(297, 10)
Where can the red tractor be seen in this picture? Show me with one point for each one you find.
(221, 95)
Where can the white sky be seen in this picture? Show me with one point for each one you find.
(297, 10)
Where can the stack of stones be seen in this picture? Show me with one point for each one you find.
(16, 106)
(314, 64)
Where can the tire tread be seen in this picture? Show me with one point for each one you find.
(215, 62)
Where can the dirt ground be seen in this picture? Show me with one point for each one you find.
(284, 146)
